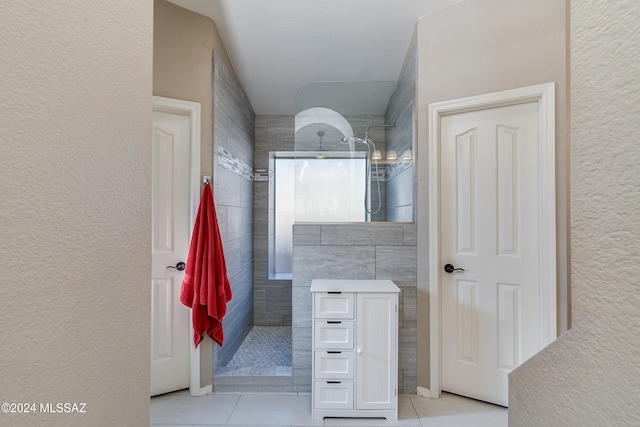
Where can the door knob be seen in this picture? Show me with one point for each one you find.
(449, 268)
(179, 266)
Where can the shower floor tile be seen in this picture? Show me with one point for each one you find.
(266, 351)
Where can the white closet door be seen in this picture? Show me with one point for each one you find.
(376, 351)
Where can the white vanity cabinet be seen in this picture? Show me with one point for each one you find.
(355, 348)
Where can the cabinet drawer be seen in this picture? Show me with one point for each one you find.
(334, 364)
(333, 334)
(333, 395)
(333, 305)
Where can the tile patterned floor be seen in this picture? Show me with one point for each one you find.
(294, 410)
(266, 351)
(264, 346)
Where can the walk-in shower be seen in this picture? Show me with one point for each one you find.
(346, 157)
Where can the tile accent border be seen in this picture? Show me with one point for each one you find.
(233, 164)
(263, 175)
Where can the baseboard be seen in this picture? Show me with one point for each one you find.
(202, 391)
(424, 392)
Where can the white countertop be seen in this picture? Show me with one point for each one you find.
(326, 285)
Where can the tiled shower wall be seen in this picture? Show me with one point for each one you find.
(233, 139)
(354, 251)
(400, 181)
(271, 298)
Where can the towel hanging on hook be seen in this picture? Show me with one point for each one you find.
(206, 288)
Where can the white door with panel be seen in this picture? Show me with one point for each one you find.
(489, 237)
(376, 350)
(171, 206)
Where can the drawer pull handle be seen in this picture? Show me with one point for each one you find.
(334, 382)
(334, 352)
(334, 292)
(334, 322)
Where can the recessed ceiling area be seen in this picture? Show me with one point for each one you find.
(282, 49)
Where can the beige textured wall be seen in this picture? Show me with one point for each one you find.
(183, 42)
(183, 45)
(75, 168)
(472, 48)
(591, 375)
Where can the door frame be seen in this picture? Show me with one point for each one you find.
(544, 95)
(191, 110)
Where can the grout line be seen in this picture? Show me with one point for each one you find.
(234, 409)
(415, 411)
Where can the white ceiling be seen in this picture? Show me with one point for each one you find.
(279, 47)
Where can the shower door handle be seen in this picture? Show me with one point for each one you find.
(179, 266)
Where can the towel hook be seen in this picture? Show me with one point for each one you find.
(206, 180)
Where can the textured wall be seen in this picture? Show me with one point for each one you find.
(354, 251)
(591, 375)
(75, 192)
(234, 131)
(472, 48)
(182, 45)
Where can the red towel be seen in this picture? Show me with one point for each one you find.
(205, 288)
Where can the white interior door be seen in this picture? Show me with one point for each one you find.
(490, 216)
(171, 218)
